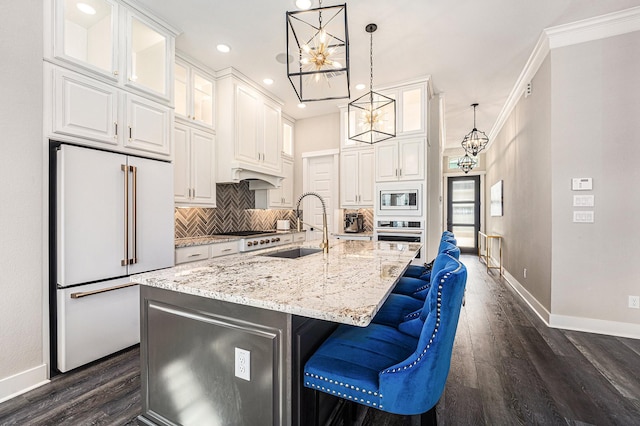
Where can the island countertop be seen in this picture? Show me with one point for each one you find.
(348, 285)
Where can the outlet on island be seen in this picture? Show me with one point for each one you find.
(243, 364)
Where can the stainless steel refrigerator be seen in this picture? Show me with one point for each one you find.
(113, 218)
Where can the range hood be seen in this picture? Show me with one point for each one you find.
(257, 180)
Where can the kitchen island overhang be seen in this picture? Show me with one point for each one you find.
(194, 316)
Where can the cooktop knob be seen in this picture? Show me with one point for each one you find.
(249, 243)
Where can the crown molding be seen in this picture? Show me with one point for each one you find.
(596, 28)
(599, 27)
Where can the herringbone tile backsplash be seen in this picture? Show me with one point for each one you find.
(235, 212)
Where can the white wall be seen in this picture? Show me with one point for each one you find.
(580, 121)
(596, 110)
(314, 134)
(21, 196)
(520, 156)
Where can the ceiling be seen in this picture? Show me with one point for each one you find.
(473, 50)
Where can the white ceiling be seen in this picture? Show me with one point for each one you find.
(473, 50)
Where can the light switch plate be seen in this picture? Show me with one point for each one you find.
(582, 184)
(243, 364)
(583, 216)
(583, 200)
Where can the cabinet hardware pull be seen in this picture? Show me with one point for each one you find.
(115, 72)
(130, 133)
(226, 250)
(400, 172)
(134, 231)
(104, 290)
(194, 193)
(125, 261)
(396, 172)
(195, 255)
(115, 125)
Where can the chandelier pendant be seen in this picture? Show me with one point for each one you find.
(475, 141)
(318, 48)
(372, 117)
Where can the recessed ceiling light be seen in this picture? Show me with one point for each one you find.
(303, 4)
(302, 106)
(223, 48)
(85, 8)
(268, 81)
(360, 86)
(283, 58)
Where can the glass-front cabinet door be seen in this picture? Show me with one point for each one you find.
(181, 90)
(148, 55)
(202, 99)
(86, 34)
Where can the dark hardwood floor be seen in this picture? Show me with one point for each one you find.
(507, 368)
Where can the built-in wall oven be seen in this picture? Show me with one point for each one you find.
(395, 199)
(411, 231)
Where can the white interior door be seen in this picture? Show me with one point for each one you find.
(320, 177)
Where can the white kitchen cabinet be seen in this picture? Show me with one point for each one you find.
(278, 198)
(194, 169)
(194, 94)
(400, 160)
(148, 125)
(205, 251)
(224, 249)
(115, 42)
(249, 132)
(410, 108)
(82, 107)
(356, 178)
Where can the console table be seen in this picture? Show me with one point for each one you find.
(486, 245)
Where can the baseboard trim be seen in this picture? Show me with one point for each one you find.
(590, 325)
(565, 322)
(22, 382)
(533, 303)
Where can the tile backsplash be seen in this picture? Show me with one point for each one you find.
(235, 212)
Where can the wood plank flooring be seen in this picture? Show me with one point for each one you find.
(507, 368)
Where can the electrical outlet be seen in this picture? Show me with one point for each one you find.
(634, 302)
(524, 272)
(243, 364)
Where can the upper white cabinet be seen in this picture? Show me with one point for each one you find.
(194, 172)
(287, 137)
(82, 107)
(411, 111)
(249, 133)
(398, 160)
(278, 198)
(356, 178)
(116, 42)
(194, 94)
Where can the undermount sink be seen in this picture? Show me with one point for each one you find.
(294, 253)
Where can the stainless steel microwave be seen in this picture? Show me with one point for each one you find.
(399, 199)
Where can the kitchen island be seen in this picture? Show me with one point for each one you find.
(223, 341)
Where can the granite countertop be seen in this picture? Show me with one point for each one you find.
(348, 285)
(213, 239)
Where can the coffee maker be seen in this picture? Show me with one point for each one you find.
(353, 222)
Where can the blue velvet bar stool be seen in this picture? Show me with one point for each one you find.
(400, 370)
(414, 271)
(419, 287)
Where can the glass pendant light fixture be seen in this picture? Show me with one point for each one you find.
(467, 163)
(372, 117)
(475, 141)
(318, 42)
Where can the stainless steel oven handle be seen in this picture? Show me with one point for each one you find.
(104, 290)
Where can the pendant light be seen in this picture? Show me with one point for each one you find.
(467, 163)
(318, 42)
(475, 141)
(372, 117)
